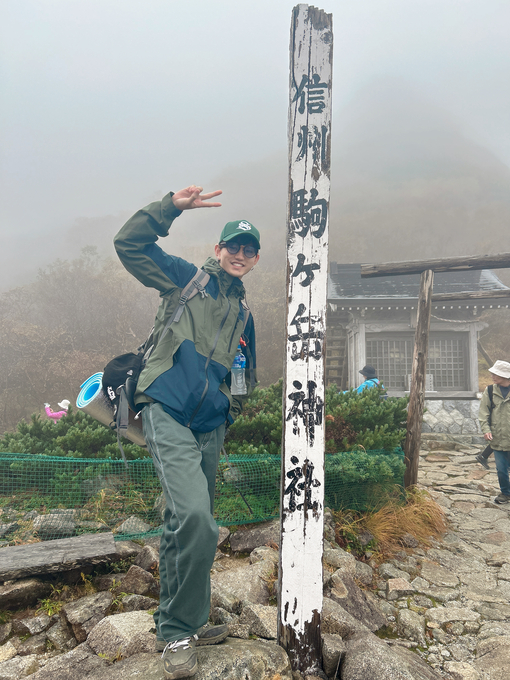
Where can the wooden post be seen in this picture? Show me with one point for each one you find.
(482, 351)
(417, 389)
(302, 490)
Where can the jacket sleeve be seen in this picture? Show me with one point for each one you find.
(238, 401)
(141, 256)
(484, 412)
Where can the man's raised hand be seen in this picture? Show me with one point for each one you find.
(191, 197)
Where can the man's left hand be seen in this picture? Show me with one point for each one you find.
(191, 197)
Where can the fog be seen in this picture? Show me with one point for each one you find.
(108, 104)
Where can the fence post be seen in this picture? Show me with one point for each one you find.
(302, 487)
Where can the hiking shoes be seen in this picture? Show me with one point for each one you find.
(180, 658)
(483, 461)
(502, 498)
(211, 635)
(207, 635)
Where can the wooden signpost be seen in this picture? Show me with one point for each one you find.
(302, 491)
(417, 390)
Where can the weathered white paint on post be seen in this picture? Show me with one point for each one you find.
(302, 497)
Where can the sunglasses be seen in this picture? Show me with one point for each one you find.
(233, 248)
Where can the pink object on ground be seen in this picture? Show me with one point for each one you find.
(55, 415)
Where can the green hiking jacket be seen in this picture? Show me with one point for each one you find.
(497, 421)
(188, 372)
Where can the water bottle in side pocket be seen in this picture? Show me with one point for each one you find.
(238, 383)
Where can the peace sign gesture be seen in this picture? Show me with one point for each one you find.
(191, 197)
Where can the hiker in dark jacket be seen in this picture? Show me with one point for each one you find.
(185, 392)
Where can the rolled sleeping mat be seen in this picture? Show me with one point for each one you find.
(93, 401)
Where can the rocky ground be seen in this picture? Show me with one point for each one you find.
(440, 611)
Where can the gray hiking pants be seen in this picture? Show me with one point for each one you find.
(186, 463)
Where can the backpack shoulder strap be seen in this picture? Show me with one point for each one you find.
(247, 313)
(196, 285)
(490, 391)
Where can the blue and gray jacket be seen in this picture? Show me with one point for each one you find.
(188, 372)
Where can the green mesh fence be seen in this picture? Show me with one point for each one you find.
(44, 497)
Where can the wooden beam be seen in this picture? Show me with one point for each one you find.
(474, 295)
(482, 351)
(417, 390)
(62, 554)
(302, 490)
(448, 264)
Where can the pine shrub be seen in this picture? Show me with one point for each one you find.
(353, 421)
(76, 435)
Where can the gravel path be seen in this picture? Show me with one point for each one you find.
(459, 609)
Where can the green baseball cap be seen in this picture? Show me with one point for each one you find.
(240, 228)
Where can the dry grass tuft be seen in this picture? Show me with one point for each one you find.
(419, 516)
(382, 531)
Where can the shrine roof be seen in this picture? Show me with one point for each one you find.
(345, 283)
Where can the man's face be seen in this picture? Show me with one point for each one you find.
(498, 380)
(236, 264)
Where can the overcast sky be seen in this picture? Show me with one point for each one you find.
(107, 103)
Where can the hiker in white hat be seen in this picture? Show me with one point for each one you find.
(57, 415)
(494, 419)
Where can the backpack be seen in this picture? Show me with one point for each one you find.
(488, 449)
(384, 395)
(120, 376)
(490, 391)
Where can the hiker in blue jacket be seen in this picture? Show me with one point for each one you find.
(185, 391)
(371, 379)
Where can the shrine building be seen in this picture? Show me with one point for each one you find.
(373, 321)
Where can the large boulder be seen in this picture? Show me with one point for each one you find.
(24, 593)
(347, 594)
(7, 651)
(333, 650)
(250, 582)
(19, 667)
(254, 537)
(126, 549)
(262, 620)
(133, 525)
(368, 658)
(148, 559)
(337, 621)
(83, 614)
(55, 525)
(412, 626)
(493, 657)
(32, 625)
(232, 660)
(140, 582)
(342, 561)
(61, 638)
(133, 603)
(79, 664)
(5, 631)
(36, 644)
(123, 635)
